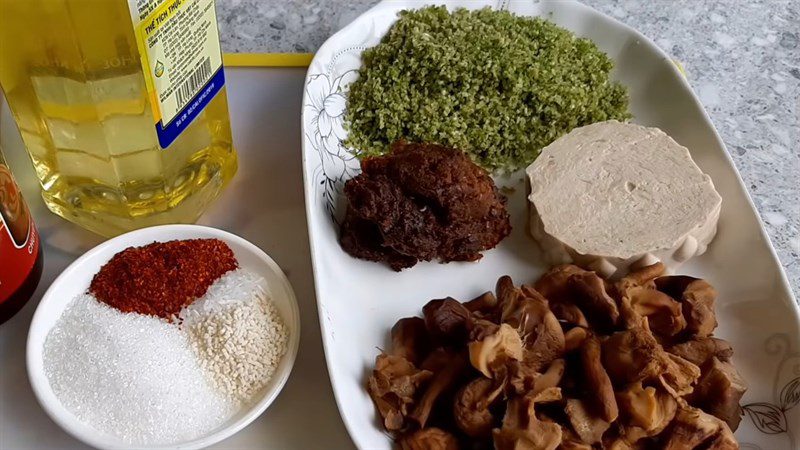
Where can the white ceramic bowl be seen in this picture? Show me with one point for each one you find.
(75, 280)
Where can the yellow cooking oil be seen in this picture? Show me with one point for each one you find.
(80, 92)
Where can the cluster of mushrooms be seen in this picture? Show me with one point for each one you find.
(572, 362)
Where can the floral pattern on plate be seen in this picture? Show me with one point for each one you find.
(774, 417)
(325, 107)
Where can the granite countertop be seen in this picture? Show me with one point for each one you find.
(741, 57)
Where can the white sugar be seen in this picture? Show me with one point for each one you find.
(237, 333)
(132, 376)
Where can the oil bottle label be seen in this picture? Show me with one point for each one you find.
(19, 243)
(179, 45)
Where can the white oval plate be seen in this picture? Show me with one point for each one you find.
(75, 280)
(359, 301)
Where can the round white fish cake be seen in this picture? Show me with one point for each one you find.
(613, 196)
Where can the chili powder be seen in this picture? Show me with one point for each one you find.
(161, 278)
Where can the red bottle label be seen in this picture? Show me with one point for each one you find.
(19, 242)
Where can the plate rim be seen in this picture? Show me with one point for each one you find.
(405, 4)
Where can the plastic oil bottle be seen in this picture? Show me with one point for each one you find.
(122, 107)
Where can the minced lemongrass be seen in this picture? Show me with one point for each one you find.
(498, 86)
(131, 376)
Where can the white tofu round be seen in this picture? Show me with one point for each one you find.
(613, 196)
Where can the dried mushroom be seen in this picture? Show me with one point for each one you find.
(674, 285)
(522, 430)
(571, 362)
(697, 297)
(694, 429)
(447, 320)
(635, 287)
(588, 426)
(484, 304)
(679, 375)
(628, 438)
(506, 292)
(471, 409)
(410, 339)
(590, 294)
(570, 314)
(520, 311)
(618, 443)
(393, 387)
(446, 367)
(597, 381)
(698, 300)
(719, 390)
(548, 395)
(645, 276)
(495, 349)
(573, 339)
(554, 286)
(571, 441)
(632, 355)
(529, 313)
(724, 440)
(642, 277)
(664, 315)
(701, 350)
(429, 439)
(523, 379)
(548, 346)
(646, 408)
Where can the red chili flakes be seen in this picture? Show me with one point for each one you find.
(161, 278)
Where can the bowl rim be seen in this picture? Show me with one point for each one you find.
(84, 432)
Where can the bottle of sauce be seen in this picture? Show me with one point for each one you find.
(20, 252)
(122, 107)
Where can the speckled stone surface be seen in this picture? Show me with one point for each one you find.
(742, 58)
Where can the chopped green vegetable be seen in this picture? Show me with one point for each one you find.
(498, 86)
